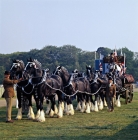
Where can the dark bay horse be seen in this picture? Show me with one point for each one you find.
(36, 76)
(81, 98)
(98, 88)
(16, 71)
(69, 88)
(53, 86)
(73, 86)
(44, 86)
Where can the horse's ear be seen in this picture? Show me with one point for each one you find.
(59, 67)
(32, 59)
(14, 60)
(86, 66)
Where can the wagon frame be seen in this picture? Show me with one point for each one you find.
(126, 91)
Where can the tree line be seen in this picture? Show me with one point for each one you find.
(68, 56)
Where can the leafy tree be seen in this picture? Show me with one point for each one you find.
(68, 56)
(2, 69)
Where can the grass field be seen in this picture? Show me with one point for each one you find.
(122, 124)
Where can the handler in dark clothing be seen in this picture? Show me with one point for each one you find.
(9, 94)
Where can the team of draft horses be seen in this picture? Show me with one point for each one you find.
(93, 90)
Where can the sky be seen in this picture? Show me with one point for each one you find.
(85, 24)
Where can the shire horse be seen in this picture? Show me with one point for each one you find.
(36, 76)
(98, 86)
(16, 72)
(74, 86)
(44, 86)
(82, 97)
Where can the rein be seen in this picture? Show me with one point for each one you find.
(30, 82)
(74, 93)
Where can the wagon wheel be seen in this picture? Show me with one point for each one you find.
(126, 99)
(131, 93)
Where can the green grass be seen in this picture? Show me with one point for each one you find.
(122, 124)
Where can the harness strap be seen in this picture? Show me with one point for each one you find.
(74, 93)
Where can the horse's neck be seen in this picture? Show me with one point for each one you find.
(90, 77)
(19, 74)
(66, 78)
(38, 73)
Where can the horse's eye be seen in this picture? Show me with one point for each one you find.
(31, 65)
(15, 66)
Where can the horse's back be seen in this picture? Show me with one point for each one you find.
(56, 77)
(57, 81)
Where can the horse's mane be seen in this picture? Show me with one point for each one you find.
(19, 61)
(89, 68)
(65, 70)
(38, 64)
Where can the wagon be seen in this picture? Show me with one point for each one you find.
(126, 91)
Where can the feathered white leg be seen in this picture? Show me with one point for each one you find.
(90, 104)
(87, 108)
(83, 107)
(92, 107)
(62, 105)
(37, 115)
(101, 105)
(41, 117)
(65, 108)
(118, 103)
(48, 108)
(16, 103)
(70, 110)
(78, 108)
(51, 113)
(60, 111)
(19, 114)
(105, 104)
(30, 114)
(55, 109)
(96, 107)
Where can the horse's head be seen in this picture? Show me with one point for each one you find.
(33, 68)
(57, 70)
(89, 72)
(63, 73)
(96, 74)
(77, 74)
(17, 68)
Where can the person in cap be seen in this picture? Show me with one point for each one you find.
(8, 85)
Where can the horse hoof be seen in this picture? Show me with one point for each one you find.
(109, 110)
(18, 118)
(59, 116)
